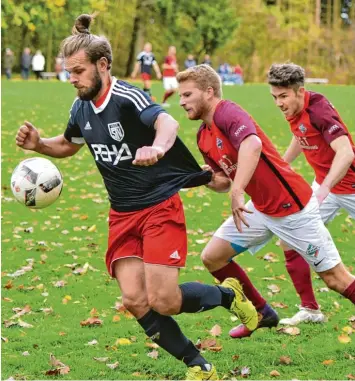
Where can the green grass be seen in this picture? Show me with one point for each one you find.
(83, 204)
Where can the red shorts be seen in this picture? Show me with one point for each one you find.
(157, 235)
(146, 76)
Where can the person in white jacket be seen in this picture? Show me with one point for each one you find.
(38, 62)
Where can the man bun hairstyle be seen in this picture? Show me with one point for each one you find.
(286, 75)
(94, 46)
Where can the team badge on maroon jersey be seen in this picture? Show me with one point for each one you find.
(116, 131)
(302, 128)
(219, 143)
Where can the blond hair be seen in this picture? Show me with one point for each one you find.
(286, 75)
(204, 76)
(94, 46)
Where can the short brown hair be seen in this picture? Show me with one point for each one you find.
(286, 75)
(204, 76)
(94, 46)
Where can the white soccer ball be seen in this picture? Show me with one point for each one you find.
(36, 182)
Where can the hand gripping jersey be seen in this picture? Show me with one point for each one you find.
(315, 127)
(274, 188)
(114, 131)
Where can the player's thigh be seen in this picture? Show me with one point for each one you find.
(252, 238)
(348, 203)
(164, 294)
(329, 208)
(130, 275)
(306, 233)
(164, 234)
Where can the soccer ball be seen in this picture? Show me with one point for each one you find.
(36, 182)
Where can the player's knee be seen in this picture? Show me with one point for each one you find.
(163, 303)
(135, 304)
(206, 258)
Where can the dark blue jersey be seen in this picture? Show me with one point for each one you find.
(114, 131)
(147, 60)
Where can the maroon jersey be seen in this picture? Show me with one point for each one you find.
(315, 127)
(170, 60)
(274, 188)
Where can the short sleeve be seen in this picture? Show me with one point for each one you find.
(73, 133)
(324, 117)
(234, 122)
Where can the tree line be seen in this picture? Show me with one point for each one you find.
(253, 34)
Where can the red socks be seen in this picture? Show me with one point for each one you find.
(167, 94)
(233, 270)
(349, 293)
(300, 274)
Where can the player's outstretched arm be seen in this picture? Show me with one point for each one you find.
(293, 151)
(248, 159)
(344, 156)
(28, 137)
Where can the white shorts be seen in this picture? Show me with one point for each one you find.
(170, 83)
(331, 205)
(303, 231)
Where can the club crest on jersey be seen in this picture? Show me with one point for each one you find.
(116, 131)
(302, 128)
(219, 143)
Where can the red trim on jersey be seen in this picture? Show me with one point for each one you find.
(101, 100)
(315, 127)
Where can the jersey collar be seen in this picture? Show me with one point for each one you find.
(103, 104)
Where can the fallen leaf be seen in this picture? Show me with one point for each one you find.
(328, 362)
(101, 359)
(123, 341)
(93, 342)
(59, 283)
(285, 360)
(203, 344)
(26, 353)
(275, 289)
(350, 377)
(279, 305)
(349, 356)
(9, 284)
(235, 357)
(344, 339)
(271, 257)
(113, 366)
(293, 331)
(274, 373)
(152, 345)
(90, 322)
(116, 318)
(92, 229)
(216, 330)
(348, 330)
(153, 354)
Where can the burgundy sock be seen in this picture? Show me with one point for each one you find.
(300, 274)
(233, 270)
(167, 94)
(349, 293)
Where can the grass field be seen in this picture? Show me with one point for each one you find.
(72, 233)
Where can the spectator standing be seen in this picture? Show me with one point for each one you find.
(238, 71)
(38, 62)
(207, 60)
(190, 61)
(26, 60)
(8, 62)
